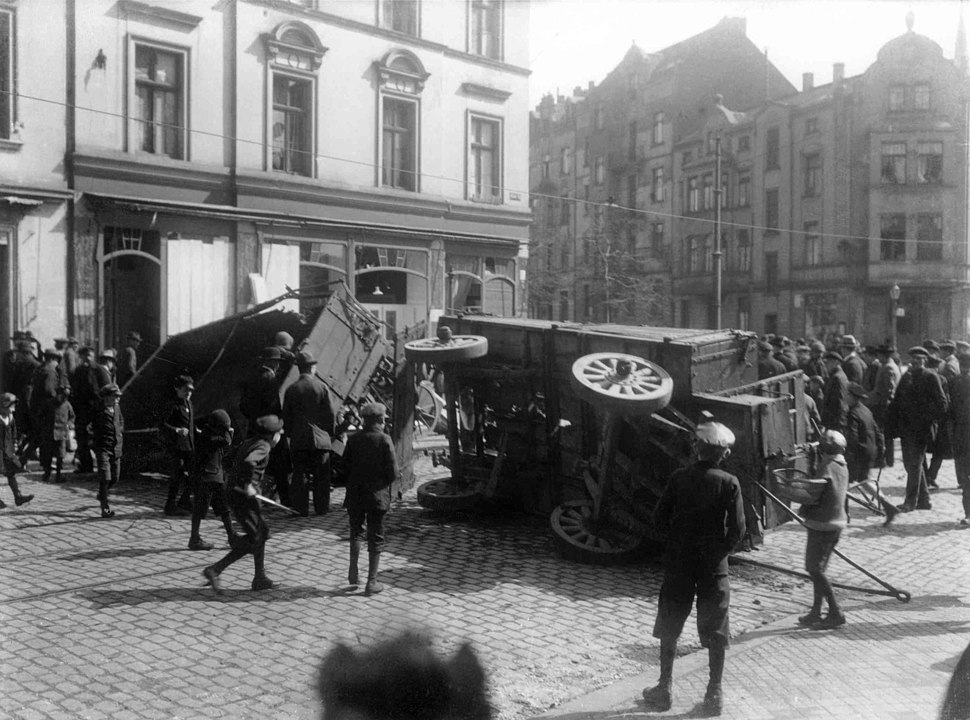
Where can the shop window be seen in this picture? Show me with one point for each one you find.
(929, 237)
(322, 263)
(486, 28)
(391, 275)
(892, 233)
(482, 284)
(484, 159)
(158, 108)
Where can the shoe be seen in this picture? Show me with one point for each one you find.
(925, 506)
(713, 702)
(891, 513)
(2, 504)
(23, 499)
(261, 582)
(905, 508)
(811, 619)
(830, 622)
(46, 477)
(373, 587)
(172, 511)
(198, 543)
(932, 484)
(212, 578)
(965, 522)
(658, 697)
(107, 512)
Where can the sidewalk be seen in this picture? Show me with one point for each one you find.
(892, 660)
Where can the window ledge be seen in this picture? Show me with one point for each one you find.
(484, 91)
(10, 145)
(154, 13)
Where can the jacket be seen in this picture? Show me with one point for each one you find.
(108, 428)
(180, 416)
(209, 455)
(308, 414)
(371, 470)
(919, 405)
(829, 512)
(56, 421)
(835, 400)
(862, 438)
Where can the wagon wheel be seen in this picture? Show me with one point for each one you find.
(447, 496)
(460, 348)
(620, 383)
(428, 407)
(580, 538)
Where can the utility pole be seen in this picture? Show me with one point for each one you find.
(717, 231)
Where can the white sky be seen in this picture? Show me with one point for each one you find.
(575, 41)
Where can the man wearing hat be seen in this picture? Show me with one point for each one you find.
(308, 416)
(868, 355)
(55, 425)
(252, 457)
(852, 365)
(178, 433)
(371, 471)
(260, 396)
(914, 414)
(86, 402)
(887, 378)
(815, 364)
(108, 429)
(779, 353)
(128, 362)
(835, 393)
(939, 448)
(960, 431)
(865, 447)
(8, 448)
(963, 348)
(702, 514)
(932, 348)
(215, 437)
(951, 366)
(105, 370)
(43, 395)
(18, 374)
(768, 366)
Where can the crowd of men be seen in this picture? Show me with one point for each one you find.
(871, 396)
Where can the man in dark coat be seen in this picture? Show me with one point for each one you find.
(108, 429)
(702, 514)
(835, 394)
(261, 397)
(371, 471)
(864, 448)
(951, 365)
(939, 448)
(915, 412)
(308, 417)
(9, 462)
(768, 366)
(783, 353)
(55, 426)
(43, 393)
(815, 364)
(251, 460)
(215, 437)
(128, 362)
(960, 431)
(868, 355)
(852, 365)
(86, 402)
(105, 370)
(178, 434)
(887, 378)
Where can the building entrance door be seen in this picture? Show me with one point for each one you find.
(131, 289)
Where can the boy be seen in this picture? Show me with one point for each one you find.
(8, 448)
(108, 431)
(216, 436)
(55, 425)
(178, 432)
(241, 490)
(371, 469)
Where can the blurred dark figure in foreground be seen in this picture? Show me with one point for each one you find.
(403, 679)
(956, 702)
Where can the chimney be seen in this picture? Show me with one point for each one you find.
(808, 81)
(838, 73)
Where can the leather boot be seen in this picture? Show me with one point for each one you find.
(712, 698)
(233, 537)
(260, 581)
(658, 698)
(352, 574)
(373, 586)
(18, 498)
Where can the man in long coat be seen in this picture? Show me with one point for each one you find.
(887, 378)
(835, 394)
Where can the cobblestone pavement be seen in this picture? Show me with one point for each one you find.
(109, 618)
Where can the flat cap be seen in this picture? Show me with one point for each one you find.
(817, 378)
(848, 341)
(185, 381)
(817, 345)
(963, 346)
(763, 345)
(268, 424)
(715, 434)
(832, 442)
(373, 410)
(918, 350)
(305, 359)
(270, 353)
(134, 335)
(802, 348)
(947, 345)
(219, 420)
(931, 345)
(858, 391)
(7, 400)
(832, 355)
(53, 353)
(108, 353)
(110, 389)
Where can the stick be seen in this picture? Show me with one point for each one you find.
(264, 499)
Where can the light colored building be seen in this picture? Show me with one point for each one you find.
(222, 152)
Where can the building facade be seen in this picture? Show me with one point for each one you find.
(830, 198)
(216, 154)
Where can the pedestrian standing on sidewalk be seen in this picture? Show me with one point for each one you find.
(86, 402)
(178, 432)
(109, 432)
(241, 491)
(835, 400)
(371, 467)
(8, 446)
(702, 513)
(215, 437)
(55, 427)
(864, 448)
(825, 520)
(960, 431)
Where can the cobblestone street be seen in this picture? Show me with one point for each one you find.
(109, 618)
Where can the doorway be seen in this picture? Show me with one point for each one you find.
(131, 287)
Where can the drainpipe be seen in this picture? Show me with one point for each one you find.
(70, 144)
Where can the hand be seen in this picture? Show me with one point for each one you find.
(182, 432)
(251, 491)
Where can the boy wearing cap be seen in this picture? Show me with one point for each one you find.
(8, 448)
(825, 520)
(242, 487)
(308, 417)
(215, 437)
(371, 467)
(55, 426)
(109, 430)
(178, 432)
(702, 514)
(260, 396)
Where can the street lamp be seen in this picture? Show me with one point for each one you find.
(894, 292)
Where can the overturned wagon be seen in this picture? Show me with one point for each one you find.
(585, 423)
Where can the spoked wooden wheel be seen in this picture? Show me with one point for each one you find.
(459, 348)
(447, 496)
(578, 537)
(621, 383)
(429, 407)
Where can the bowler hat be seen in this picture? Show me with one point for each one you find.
(134, 335)
(918, 351)
(110, 389)
(373, 410)
(858, 391)
(305, 359)
(270, 353)
(832, 355)
(848, 341)
(268, 424)
(219, 420)
(108, 353)
(7, 400)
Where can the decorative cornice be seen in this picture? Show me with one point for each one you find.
(147, 170)
(484, 91)
(276, 46)
(154, 13)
